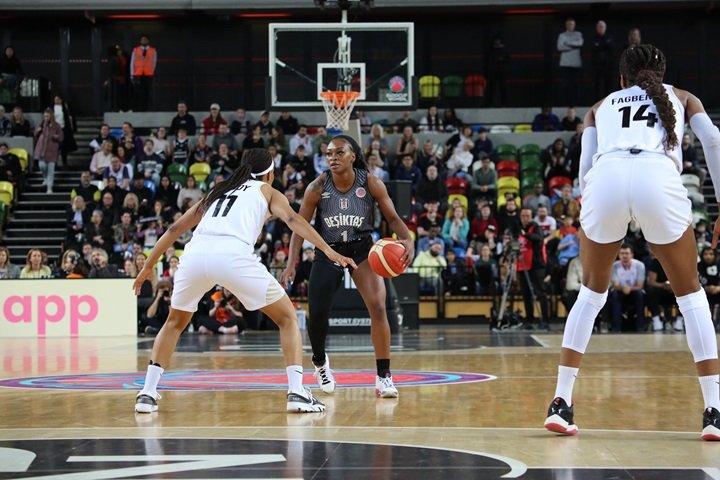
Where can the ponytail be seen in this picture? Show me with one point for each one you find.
(359, 162)
(254, 161)
(644, 65)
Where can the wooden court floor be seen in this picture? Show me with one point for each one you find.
(637, 399)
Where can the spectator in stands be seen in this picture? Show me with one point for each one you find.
(183, 119)
(570, 121)
(569, 44)
(430, 219)
(428, 264)
(109, 209)
(66, 121)
(222, 163)
(163, 212)
(10, 75)
(531, 258)
(457, 140)
(628, 282)
(143, 62)
(450, 121)
(634, 38)
(181, 152)
(569, 245)
(102, 159)
(132, 142)
(302, 277)
(161, 146)
(167, 192)
(406, 121)
(48, 138)
(375, 167)
(10, 168)
(321, 137)
(19, 125)
(690, 161)
(98, 233)
(407, 144)
(265, 124)
(120, 172)
(150, 230)
(455, 230)
(430, 155)
(603, 61)
(534, 200)
(574, 151)
(659, 298)
(124, 234)
(111, 187)
(482, 221)
(497, 59)
(225, 315)
(409, 171)
(301, 137)
(487, 272)
(484, 181)
(211, 124)
(460, 161)
(278, 263)
(5, 127)
(149, 164)
(277, 138)
(224, 137)
(556, 161)
(279, 160)
(185, 237)
(7, 269)
(320, 162)
(364, 120)
(96, 143)
(573, 280)
(158, 311)
(708, 273)
(483, 144)
(241, 125)
(128, 162)
(89, 192)
(508, 217)
(431, 188)
(290, 176)
(118, 79)
(546, 121)
(289, 124)
(702, 236)
(131, 204)
(432, 121)
(144, 194)
(189, 194)
(566, 205)
(377, 135)
(255, 140)
(35, 266)
(303, 164)
(458, 276)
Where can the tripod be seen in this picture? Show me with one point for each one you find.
(505, 318)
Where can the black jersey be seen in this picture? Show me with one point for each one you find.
(345, 217)
(709, 275)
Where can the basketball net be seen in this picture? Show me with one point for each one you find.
(338, 106)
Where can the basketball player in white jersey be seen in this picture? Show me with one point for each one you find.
(630, 170)
(229, 219)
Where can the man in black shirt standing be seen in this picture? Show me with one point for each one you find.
(602, 61)
(183, 119)
(710, 277)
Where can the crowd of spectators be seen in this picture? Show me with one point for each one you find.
(465, 227)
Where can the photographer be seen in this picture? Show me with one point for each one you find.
(531, 263)
(225, 316)
(158, 311)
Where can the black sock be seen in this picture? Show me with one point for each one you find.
(318, 360)
(155, 364)
(383, 367)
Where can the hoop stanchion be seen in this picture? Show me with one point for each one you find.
(338, 106)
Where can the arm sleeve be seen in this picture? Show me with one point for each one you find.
(709, 137)
(589, 148)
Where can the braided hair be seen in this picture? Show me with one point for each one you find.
(253, 162)
(359, 156)
(644, 65)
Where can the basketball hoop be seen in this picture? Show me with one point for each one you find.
(338, 106)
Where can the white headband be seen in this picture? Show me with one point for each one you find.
(264, 172)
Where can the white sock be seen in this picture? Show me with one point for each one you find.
(710, 386)
(295, 378)
(565, 383)
(152, 378)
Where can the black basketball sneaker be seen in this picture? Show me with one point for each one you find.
(560, 418)
(711, 425)
(304, 402)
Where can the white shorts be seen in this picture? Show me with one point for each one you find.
(242, 273)
(646, 188)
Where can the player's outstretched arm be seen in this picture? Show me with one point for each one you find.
(379, 193)
(189, 220)
(280, 208)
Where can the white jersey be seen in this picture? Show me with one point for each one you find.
(237, 215)
(627, 120)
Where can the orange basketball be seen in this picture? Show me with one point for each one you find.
(385, 256)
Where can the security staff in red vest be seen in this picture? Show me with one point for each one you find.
(142, 72)
(532, 259)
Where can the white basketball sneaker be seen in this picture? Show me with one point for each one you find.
(146, 403)
(385, 388)
(324, 376)
(304, 402)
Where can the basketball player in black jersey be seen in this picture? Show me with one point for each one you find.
(343, 199)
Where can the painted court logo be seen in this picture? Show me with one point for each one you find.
(234, 380)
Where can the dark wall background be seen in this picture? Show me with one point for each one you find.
(207, 58)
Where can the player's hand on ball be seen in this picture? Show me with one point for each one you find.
(144, 274)
(409, 254)
(288, 275)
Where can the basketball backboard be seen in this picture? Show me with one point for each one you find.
(374, 59)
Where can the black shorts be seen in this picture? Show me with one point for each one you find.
(357, 250)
